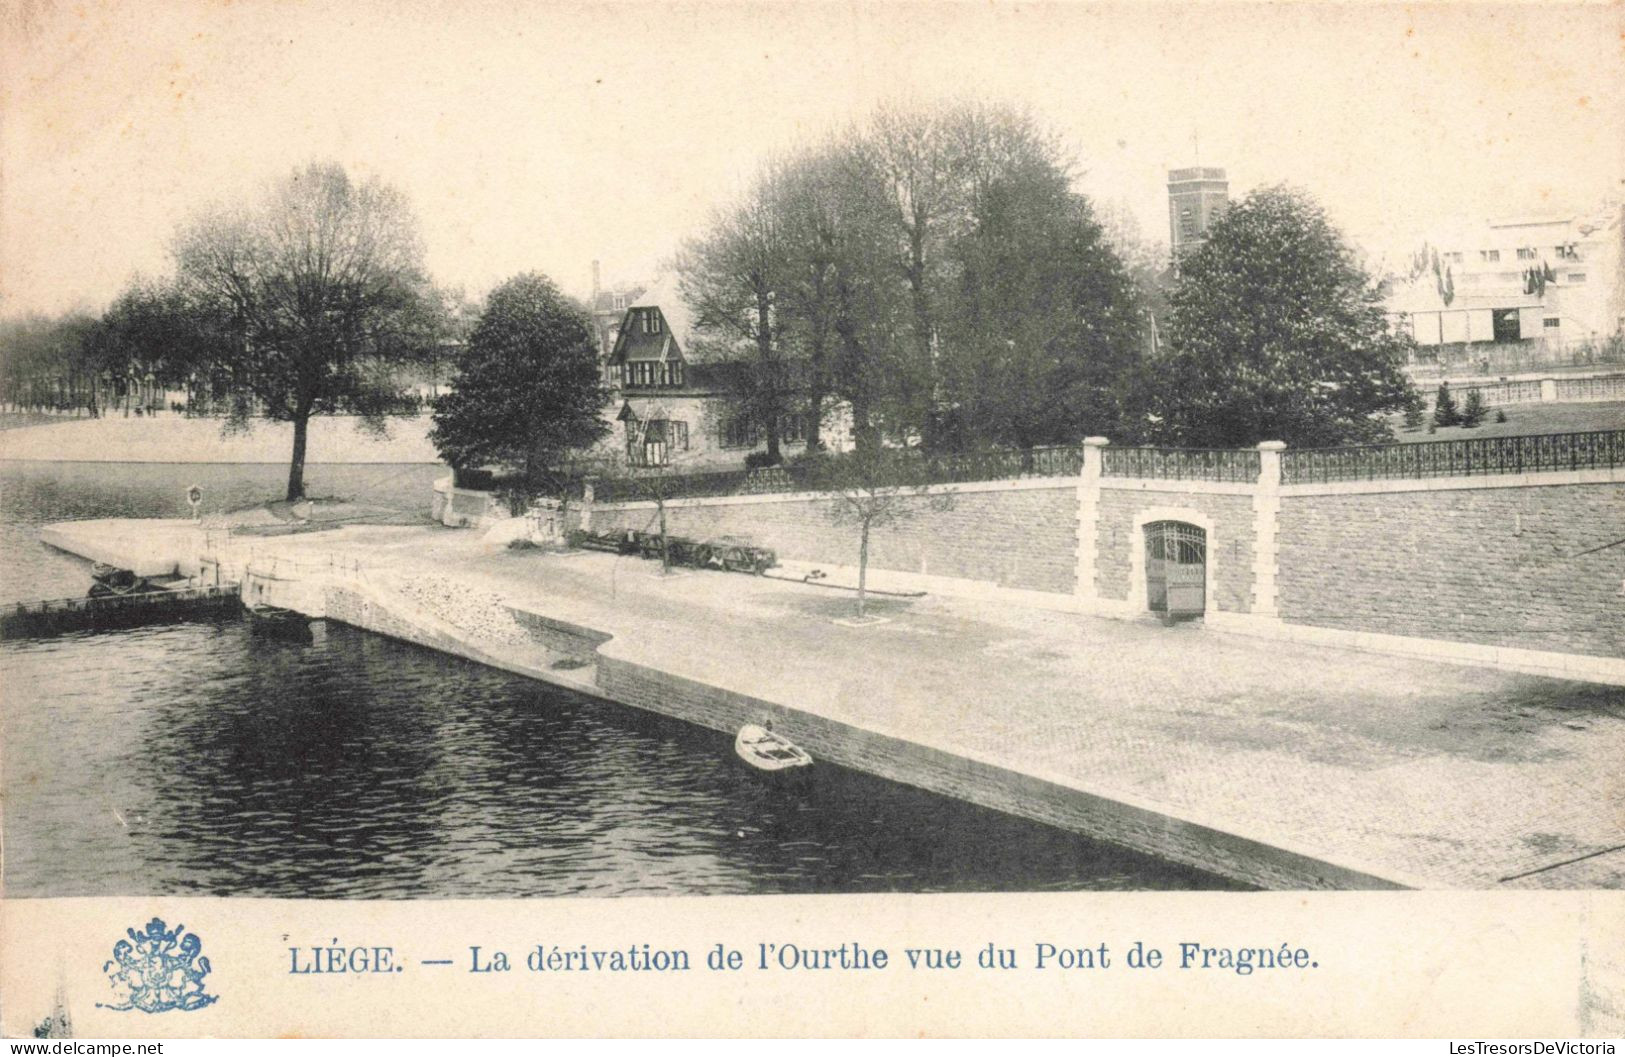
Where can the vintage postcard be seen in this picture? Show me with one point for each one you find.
(812, 519)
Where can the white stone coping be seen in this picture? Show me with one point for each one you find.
(1189, 487)
(1023, 484)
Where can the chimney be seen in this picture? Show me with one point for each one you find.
(595, 285)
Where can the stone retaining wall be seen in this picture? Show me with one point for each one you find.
(1023, 538)
(1498, 566)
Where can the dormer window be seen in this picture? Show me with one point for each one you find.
(651, 321)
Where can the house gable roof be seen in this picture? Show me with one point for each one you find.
(635, 344)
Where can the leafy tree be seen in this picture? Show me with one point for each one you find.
(1473, 409)
(1277, 334)
(160, 335)
(324, 287)
(1041, 343)
(1444, 407)
(52, 363)
(527, 391)
(931, 269)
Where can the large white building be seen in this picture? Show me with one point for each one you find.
(1550, 283)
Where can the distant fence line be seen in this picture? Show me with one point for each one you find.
(1542, 453)
(903, 470)
(1181, 464)
(1494, 394)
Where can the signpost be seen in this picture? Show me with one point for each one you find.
(194, 495)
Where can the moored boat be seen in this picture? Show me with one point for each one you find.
(275, 615)
(110, 581)
(767, 751)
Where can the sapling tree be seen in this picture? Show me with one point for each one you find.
(1444, 407)
(874, 488)
(1473, 409)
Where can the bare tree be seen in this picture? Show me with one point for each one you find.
(323, 281)
(874, 488)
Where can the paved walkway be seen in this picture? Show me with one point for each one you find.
(1422, 772)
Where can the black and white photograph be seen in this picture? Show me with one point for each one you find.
(646, 459)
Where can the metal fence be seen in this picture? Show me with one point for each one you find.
(1181, 464)
(1545, 453)
(903, 469)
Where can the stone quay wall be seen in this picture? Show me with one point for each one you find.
(1525, 567)
(985, 784)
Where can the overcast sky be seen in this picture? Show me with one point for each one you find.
(542, 136)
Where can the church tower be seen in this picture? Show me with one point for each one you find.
(1196, 198)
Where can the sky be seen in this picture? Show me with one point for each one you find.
(543, 136)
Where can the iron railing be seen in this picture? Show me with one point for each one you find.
(903, 468)
(1181, 464)
(1544, 453)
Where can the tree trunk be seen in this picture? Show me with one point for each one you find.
(296, 468)
(863, 566)
(815, 418)
(665, 545)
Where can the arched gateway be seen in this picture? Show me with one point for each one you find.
(1176, 569)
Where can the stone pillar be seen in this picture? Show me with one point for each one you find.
(1266, 522)
(1088, 516)
(586, 507)
(1548, 390)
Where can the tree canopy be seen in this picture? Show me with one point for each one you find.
(932, 269)
(527, 390)
(1277, 334)
(324, 287)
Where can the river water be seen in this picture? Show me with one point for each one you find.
(201, 759)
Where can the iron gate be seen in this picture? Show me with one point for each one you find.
(1176, 569)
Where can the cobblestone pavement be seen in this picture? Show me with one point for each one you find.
(1443, 775)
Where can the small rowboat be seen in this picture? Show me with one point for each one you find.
(767, 751)
(276, 617)
(279, 622)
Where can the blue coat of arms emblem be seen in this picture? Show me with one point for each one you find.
(158, 969)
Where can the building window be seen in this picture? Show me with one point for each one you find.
(1526, 255)
(1552, 323)
(1452, 258)
(671, 372)
(1489, 255)
(1577, 277)
(1504, 324)
(739, 433)
(651, 321)
(1567, 252)
(677, 434)
(620, 302)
